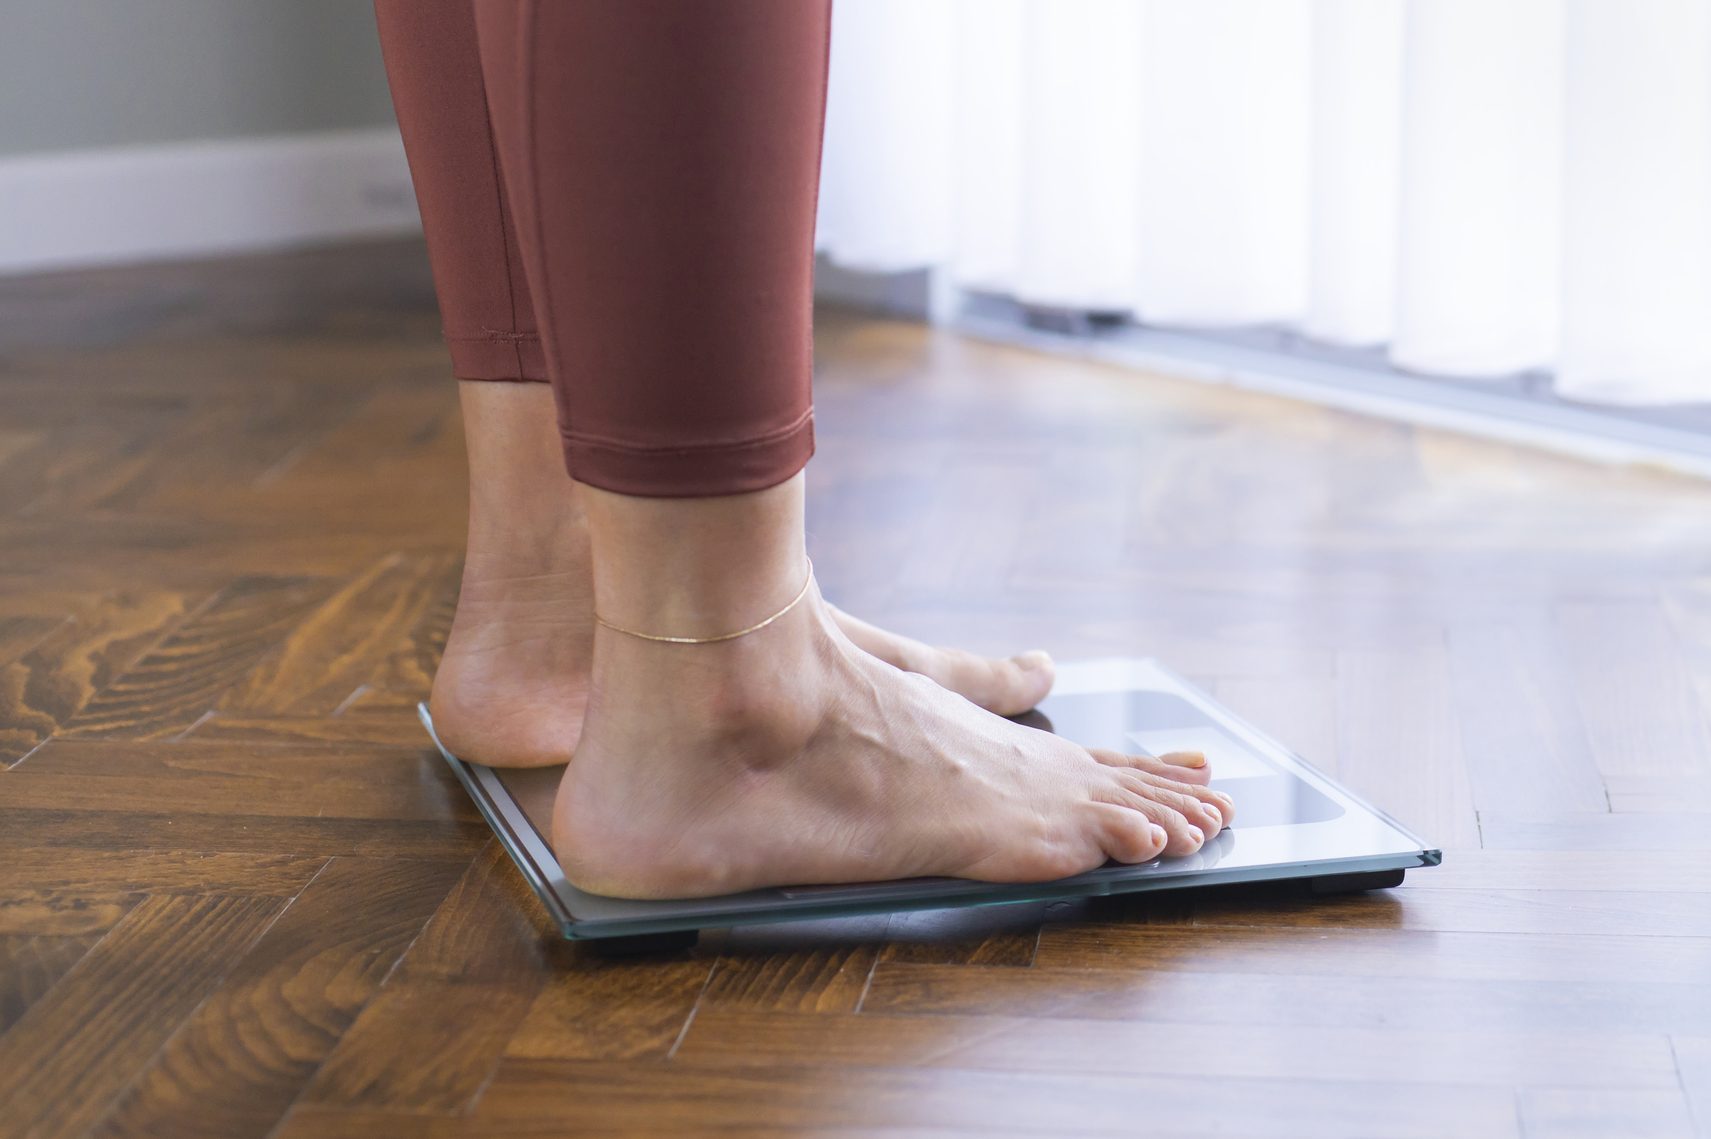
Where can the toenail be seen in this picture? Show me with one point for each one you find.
(1186, 758)
(1034, 658)
(1214, 818)
(1159, 837)
(1198, 834)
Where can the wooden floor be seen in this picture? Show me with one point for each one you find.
(238, 896)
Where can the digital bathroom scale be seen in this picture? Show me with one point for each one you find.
(1292, 822)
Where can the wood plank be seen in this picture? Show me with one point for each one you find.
(345, 641)
(313, 1121)
(1598, 832)
(231, 445)
(1375, 953)
(1635, 913)
(432, 1037)
(1566, 870)
(166, 872)
(46, 686)
(1636, 696)
(1397, 742)
(742, 1039)
(309, 1121)
(180, 679)
(187, 776)
(611, 1010)
(1612, 1005)
(31, 964)
(407, 672)
(240, 834)
(1659, 1112)
(62, 912)
(235, 1067)
(821, 965)
(526, 1094)
(370, 719)
(1520, 725)
(21, 633)
(77, 1047)
(831, 978)
(1693, 1065)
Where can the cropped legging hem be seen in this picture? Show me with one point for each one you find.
(502, 357)
(743, 465)
(619, 198)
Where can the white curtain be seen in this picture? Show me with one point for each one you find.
(1479, 186)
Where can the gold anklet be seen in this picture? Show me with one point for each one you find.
(800, 594)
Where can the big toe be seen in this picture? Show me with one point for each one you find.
(1007, 686)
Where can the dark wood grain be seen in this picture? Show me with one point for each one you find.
(333, 652)
(235, 1067)
(530, 1096)
(240, 896)
(192, 776)
(159, 832)
(32, 963)
(47, 685)
(179, 680)
(458, 997)
(77, 1047)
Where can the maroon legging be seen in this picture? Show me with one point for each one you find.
(619, 199)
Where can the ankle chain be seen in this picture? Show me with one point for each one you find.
(800, 594)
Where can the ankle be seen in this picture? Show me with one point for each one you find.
(757, 698)
(525, 546)
(696, 567)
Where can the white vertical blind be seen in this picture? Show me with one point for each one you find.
(1479, 187)
(1478, 228)
(1356, 73)
(1636, 284)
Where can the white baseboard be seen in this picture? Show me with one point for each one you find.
(201, 199)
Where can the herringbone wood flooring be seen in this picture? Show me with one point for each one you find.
(238, 896)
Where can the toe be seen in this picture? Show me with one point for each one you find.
(1130, 836)
(1183, 766)
(1008, 687)
(1005, 686)
(1211, 810)
(1178, 766)
(1182, 835)
(1015, 685)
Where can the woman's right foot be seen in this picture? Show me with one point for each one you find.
(790, 756)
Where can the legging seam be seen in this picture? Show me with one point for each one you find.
(526, 50)
(491, 335)
(505, 246)
(777, 435)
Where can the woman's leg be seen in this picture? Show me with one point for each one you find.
(512, 682)
(662, 162)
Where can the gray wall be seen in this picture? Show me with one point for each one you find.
(86, 73)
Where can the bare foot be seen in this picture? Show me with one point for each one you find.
(512, 683)
(790, 756)
(513, 680)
